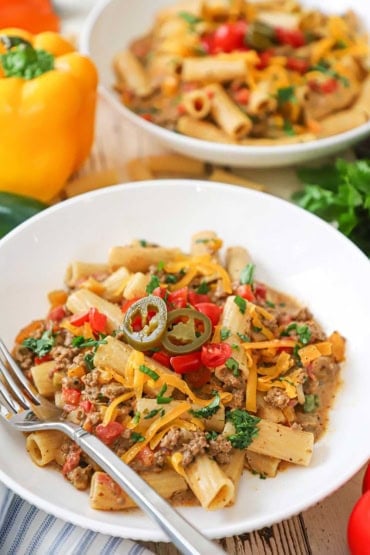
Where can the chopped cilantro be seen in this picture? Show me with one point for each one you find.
(40, 347)
(143, 243)
(209, 410)
(89, 360)
(303, 332)
(241, 303)
(296, 355)
(160, 265)
(270, 304)
(256, 329)
(235, 347)
(311, 402)
(190, 18)
(136, 418)
(233, 365)
(324, 67)
(243, 337)
(153, 284)
(203, 288)
(163, 400)
(247, 274)
(171, 278)
(136, 437)
(81, 342)
(151, 414)
(245, 428)
(286, 94)
(149, 372)
(211, 436)
(288, 128)
(224, 333)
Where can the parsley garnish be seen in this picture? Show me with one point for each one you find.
(143, 243)
(171, 278)
(324, 67)
(211, 436)
(209, 410)
(89, 360)
(241, 303)
(81, 342)
(303, 332)
(233, 365)
(270, 304)
(136, 418)
(288, 128)
(311, 402)
(153, 284)
(203, 288)
(42, 346)
(163, 400)
(136, 437)
(149, 372)
(245, 428)
(247, 274)
(224, 333)
(160, 265)
(244, 337)
(151, 414)
(256, 329)
(286, 94)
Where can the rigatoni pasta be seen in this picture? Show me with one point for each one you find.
(186, 365)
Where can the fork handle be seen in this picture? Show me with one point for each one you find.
(187, 539)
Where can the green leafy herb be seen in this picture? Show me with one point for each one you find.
(245, 428)
(25, 61)
(256, 329)
(153, 284)
(235, 346)
(160, 265)
(208, 410)
(89, 360)
(286, 94)
(163, 400)
(136, 437)
(224, 334)
(136, 418)
(311, 402)
(270, 304)
(324, 67)
(190, 19)
(149, 372)
(340, 194)
(143, 243)
(151, 414)
(288, 128)
(243, 337)
(211, 436)
(241, 303)
(296, 355)
(81, 342)
(203, 288)
(233, 365)
(247, 274)
(303, 332)
(40, 347)
(171, 278)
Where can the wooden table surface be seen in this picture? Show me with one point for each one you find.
(320, 530)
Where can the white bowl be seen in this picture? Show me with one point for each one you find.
(293, 250)
(113, 24)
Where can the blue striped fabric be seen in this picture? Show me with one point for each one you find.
(24, 530)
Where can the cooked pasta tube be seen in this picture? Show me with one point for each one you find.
(228, 177)
(288, 140)
(363, 101)
(233, 318)
(343, 121)
(261, 101)
(136, 286)
(42, 375)
(78, 271)
(234, 470)
(213, 69)
(227, 114)
(197, 103)
(139, 259)
(205, 242)
(209, 483)
(174, 164)
(236, 259)
(115, 283)
(82, 300)
(264, 465)
(202, 130)
(44, 446)
(268, 412)
(106, 495)
(130, 71)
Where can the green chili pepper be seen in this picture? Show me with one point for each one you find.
(152, 331)
(183, 333)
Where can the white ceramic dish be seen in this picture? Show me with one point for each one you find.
(293, 251)
(113, 24)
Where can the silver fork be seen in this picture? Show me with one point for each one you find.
(24, 409)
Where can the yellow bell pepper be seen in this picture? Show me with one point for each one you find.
(47, 113)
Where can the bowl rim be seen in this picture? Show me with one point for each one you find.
(308, 147)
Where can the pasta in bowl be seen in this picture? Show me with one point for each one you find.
(305, 272)
(286, 79)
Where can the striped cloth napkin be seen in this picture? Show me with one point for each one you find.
(25, 530)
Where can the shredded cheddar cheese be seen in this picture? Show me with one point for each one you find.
(110, 413)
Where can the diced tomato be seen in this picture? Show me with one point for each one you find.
(211, 310)
(72, 460)
(162, 357)
(40, 360)
(291, 37)
(242, 95)
(199, 378)
(110, 432)
(178, 299)
(146, 456)
(264, 57)
(358, 530)
(195, 298)
(71, 396)
(86, 405)
(246, 292)
(297, 64)
(260, 291)
(79, 319)
(97, 320)
(183, 364)
(147, 116)
(366, 480)
(126, 304)
(229, 37)
(215, 354)
(57, 313)
(326, 87)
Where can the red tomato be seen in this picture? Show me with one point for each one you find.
(57, 313)
(72, 460)
(215, 354)
(358, 529)
(242, 95)
(40, 360)
(162, 357)
(211, 310)
(292, 37)
(147, 116)
(199, 378)
(260, 291)
(110, 432)
(297, 64)
(229, 37)
(329, 86)
(195, 298)
(178, 299)
(246, 292)
(366, 480)
(79, 319)
(264, 59)
(182, 364)
(86, 405)
(146, 456)
(71, 396)
(97, 320)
